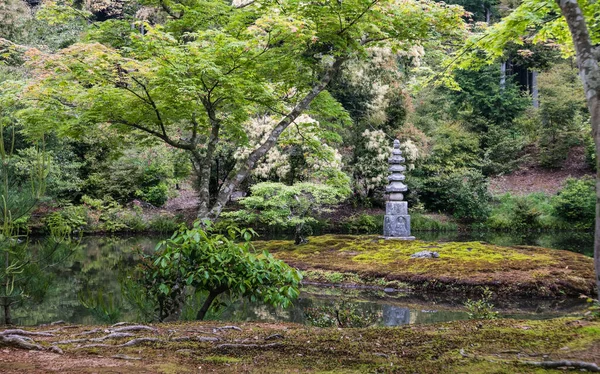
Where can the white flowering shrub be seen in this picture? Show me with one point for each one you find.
(301, 150)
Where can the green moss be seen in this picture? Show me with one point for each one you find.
(525, 270)
(221, 359)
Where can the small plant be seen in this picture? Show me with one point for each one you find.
(344, 314)
(593, 312)
(482, 308)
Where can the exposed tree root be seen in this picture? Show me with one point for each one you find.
(227, 328)
(134, 328)
(56, 349)
(130, 343)
(274, 336)
(125, 357)
(137, 341)
(25, 333)
(235, 346)
(90, 332)
(72, 341)
(195, 338)
(589, 366)
(122, 324)
(19, 342)
(114, 335)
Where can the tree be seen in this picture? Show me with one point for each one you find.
(196, 81)
(195, 260)
(578, 32)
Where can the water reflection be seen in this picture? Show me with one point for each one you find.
(102, 263)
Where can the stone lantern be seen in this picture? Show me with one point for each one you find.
(396, 224)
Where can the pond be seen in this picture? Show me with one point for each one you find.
(98, 269)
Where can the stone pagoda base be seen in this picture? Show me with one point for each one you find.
(396, 224)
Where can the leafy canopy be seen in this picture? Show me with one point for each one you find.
(215, 62)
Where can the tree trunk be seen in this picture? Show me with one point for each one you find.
(241, 171)
(7, 316)
(589, 72)
(207, 303)
(298, 239)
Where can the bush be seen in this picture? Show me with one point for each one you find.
(563, 114)
(164, 223)
(197, 261)
(363, 223)
(534, 211)
(68, 219)
(155, 195)
(463, 194)
(576, 202)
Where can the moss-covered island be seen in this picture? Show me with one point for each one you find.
(498, 346)
(462, 267)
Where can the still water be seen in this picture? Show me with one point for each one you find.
(100, 266)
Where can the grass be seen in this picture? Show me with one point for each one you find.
(461, 267)
(478, 346)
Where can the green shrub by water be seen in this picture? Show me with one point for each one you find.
(514, 213)
(576, 202)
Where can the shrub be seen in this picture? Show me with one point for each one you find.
(164, 223)
(288, 206)
(68, 219)
(463, 194)
(363, 223)
(576, 202)
(155, 195)
(199, 261)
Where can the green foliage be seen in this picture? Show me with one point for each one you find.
(502, 149)
(363, 223)
(563, 114)
(145, 174)
(343, 314)
(215, 264)
(67, 219)
(422, 222)
(462, 193)
(482, 308)
(164, 223)
(482, 101)
(576, 202)
(289, 206)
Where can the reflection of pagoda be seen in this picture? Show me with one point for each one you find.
(396, 224)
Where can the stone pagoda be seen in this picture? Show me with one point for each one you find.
(396, 224)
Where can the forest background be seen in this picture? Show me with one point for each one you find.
(519, 121)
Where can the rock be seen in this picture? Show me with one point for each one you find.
(425, 254)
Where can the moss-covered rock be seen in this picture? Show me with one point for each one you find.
(463, 267)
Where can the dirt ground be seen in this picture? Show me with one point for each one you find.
(477, 346)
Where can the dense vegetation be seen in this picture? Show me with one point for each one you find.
(198, 117)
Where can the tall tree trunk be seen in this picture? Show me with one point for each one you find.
(589, 71)
(243, 169)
